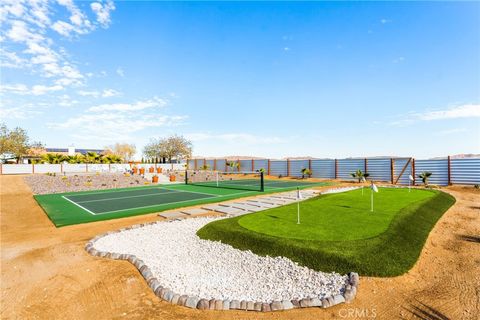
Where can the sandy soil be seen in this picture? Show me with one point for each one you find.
(46, 274)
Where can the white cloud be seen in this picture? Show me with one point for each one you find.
(19, 113)
(398, 60)
(457, 112)
(384, 21)
(451, 131)
(127, 107)
(463, 111)
(103, 12)
(110, 93)
(41, 89)
(114, 126)
(23, 89)
(120, 72)
(18, 88)
(106, 93)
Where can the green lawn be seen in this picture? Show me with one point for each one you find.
(339, 233)
(81, 207)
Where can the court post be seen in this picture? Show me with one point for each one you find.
(186, 176)
(262, 182)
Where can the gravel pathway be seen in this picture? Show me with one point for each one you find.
(188, 265)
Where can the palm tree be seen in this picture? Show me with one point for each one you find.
(359, 174)
(306, 172)
(52, 158)
(77, 158)
(111, 158)
(424, 176)
(233, 165)
(92, 157)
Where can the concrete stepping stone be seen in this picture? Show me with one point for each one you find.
(223, 209)
(194, 211)
(266, 205)
(239, 205)
(258, 204)
(277, 200)
(172, 215)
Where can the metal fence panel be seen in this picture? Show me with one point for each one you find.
(260, 164)
(296, 167)
(17, 168)
(117, 167)
(75, 167)
(278, 167)
(379, 169)
(221, 165)
(210, 164)
(45, 168)
(438, 168)
(465, 171)
(246, 166)
(324, 169)
(348, 166)
(399, 164)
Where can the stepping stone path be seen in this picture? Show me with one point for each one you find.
(247, 206)
(194, 211)
(172, 215)
(223, 209)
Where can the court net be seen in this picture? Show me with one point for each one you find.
(252, 181)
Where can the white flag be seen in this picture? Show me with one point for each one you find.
(299, 194)
(410, 177)
(374, 187)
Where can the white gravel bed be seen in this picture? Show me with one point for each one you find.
(188, 265)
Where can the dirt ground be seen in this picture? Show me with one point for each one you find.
(46, 274)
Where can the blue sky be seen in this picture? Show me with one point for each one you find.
(255, 78)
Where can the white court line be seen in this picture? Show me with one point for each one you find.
(158, 205)
(141, 195)
(79, 206)
(180, 190)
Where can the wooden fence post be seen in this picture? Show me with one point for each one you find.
(336, 168)
(239, 165)
(33, 168)
(215, 164)
(413, 170)
(195, 164)
(288, 167)
(392, 167)
(366, 165)
(226, 167)
(449, 171)
(268, 167)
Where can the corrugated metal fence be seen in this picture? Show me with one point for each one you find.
(394, 170)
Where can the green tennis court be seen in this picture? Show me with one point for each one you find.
(81, 207)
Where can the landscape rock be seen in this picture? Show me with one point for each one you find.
(203, 304)
(192, 302)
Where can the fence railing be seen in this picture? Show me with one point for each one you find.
(393, 170)
(81, 167)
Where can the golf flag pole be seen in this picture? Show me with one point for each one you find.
(410, 179)
(299, 197)
(373, 189)
(363, 181)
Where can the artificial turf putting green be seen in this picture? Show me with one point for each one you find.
(339, 233)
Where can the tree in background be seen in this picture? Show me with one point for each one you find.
(123, 150)
(173, 147)
(359, 174)
(14, 144)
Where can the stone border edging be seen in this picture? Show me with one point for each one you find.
(214, 304)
